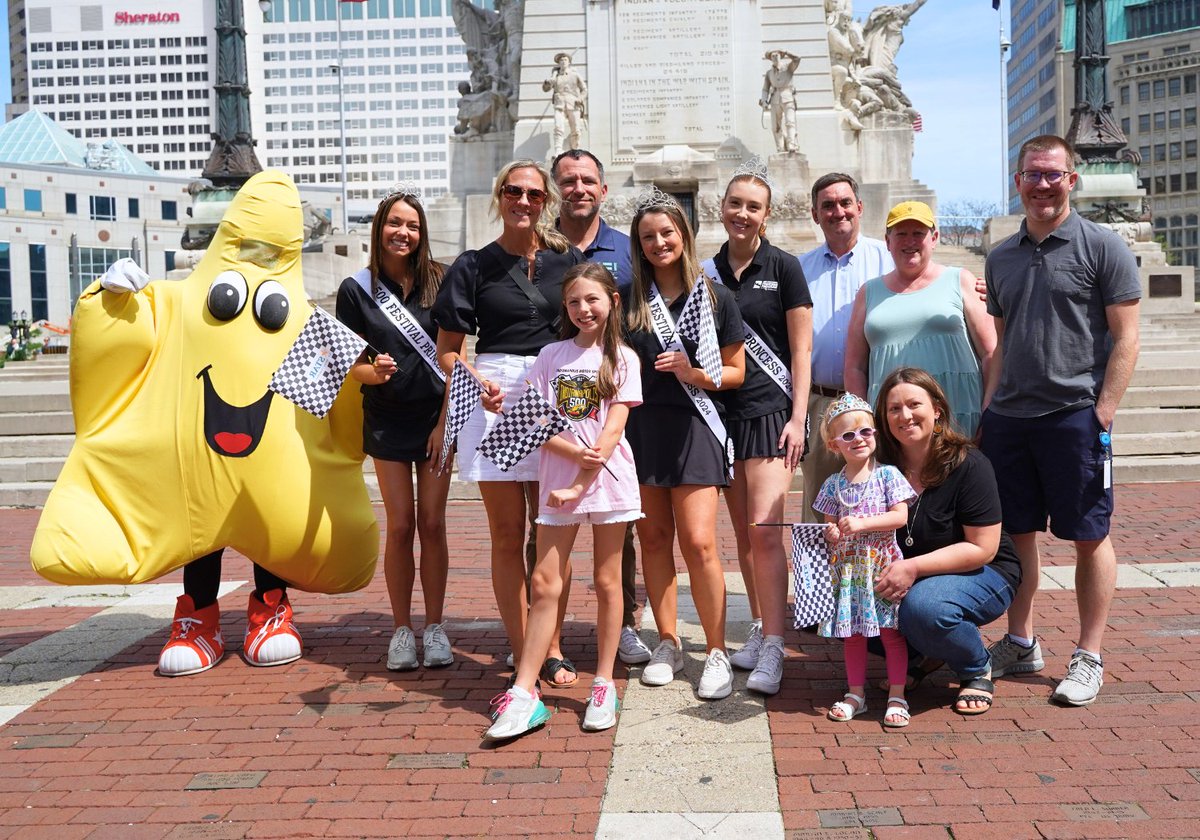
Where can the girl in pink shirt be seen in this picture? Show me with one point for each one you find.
(586, 475)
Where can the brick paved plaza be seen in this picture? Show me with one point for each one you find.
(334, 745)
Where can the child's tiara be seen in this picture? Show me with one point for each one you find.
(845, 404)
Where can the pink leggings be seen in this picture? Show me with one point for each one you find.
(894, 646)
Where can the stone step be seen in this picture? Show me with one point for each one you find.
(39, 423)
(1177, 443)
(1173, 396)
(1140, 468)
(1157, 420)
(18, 470)
(35, 446)
(1154, 377)
(33, 403)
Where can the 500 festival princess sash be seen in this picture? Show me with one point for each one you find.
(664, 329)
(756, 348)
(402, 320)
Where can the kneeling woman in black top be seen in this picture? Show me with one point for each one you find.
(402, 414)
(681, 459)
(960, 570)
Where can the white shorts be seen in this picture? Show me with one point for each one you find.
(508, 372)
(596, 517)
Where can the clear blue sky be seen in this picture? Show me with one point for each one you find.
(950, 68)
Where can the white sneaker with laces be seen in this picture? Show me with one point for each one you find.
(402, 650)
(665, 663)
(519, 712)
(717, 680)
(631, 649)
(437, 647)
(602, 708)
(747, 658)
(1084, 677)
(768, 673)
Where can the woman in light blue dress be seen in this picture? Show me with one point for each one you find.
(922, 315)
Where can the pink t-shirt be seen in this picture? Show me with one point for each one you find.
(566, 375)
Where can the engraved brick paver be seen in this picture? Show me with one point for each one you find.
(337, 746)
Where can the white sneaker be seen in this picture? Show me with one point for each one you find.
(768, 673)
(520, 712)
(717, 680)
(665, 663)
(602, 708)
(437, 647)
(632, 650)
(747, 658)
(402, 650)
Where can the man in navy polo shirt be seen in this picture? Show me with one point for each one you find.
(1065, 293)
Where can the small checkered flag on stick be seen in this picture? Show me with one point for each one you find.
(522, 429)
(313, 370)
(696, 322)
(465, 389)
(813, 573)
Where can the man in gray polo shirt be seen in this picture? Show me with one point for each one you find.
(1065, 294)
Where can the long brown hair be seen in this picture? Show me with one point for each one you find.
(949, 446)
(544, 226)
(607, 379)
(643, 271)
(427, 274)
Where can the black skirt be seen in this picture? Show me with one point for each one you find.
(757, 437)
(672, 447)
(399, 433)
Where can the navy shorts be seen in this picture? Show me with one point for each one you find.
(1051, 466)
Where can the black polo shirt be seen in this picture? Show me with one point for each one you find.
(479, 296)
(967, 497)
(771, 284)
(663, 388)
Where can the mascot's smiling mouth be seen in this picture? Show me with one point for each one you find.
(231, 430)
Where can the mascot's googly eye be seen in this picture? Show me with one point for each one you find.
(227, 295)
(271, 305)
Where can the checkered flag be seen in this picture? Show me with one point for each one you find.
(696, 322)
(814, 575)
(522, 429)
(465, 389)
(313, 370)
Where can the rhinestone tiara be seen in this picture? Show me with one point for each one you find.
(652, 198)
(405, 188)
(755, 167)
(845, 404)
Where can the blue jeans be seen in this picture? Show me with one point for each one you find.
(941, 616)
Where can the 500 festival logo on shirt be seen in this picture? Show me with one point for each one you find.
(575, 396)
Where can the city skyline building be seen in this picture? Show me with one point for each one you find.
(141, 72)
(1153, 74)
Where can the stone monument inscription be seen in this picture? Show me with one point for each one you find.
(673, 71)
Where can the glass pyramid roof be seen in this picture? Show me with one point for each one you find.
(33, 138)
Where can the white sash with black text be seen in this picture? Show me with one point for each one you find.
(664, 328)
(402, 320)
(758, 349)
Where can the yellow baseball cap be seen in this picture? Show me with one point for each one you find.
(918, 211)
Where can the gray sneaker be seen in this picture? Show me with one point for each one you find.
(631, 649)
(402, 650)
(747, 658)
(768, 673)
(1084, 677)
(437, 647)
(1008, 657)
(665, 663)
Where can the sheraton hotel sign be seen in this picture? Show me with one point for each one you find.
(148, 17)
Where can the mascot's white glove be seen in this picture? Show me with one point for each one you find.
(124, 276)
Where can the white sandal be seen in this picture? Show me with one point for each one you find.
(848, 711)
(897, 706)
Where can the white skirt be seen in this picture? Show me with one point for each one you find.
(508, 372)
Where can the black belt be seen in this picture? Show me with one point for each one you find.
(831, 393)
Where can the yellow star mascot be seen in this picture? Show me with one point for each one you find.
(181, 450)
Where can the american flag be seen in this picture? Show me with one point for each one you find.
(917, 124)
(696, 322)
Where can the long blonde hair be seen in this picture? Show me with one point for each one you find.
(544, 226)
(643, 272)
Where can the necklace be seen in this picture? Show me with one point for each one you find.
(862, 493)
(912, 520)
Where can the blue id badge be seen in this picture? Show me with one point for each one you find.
(1106, 442)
